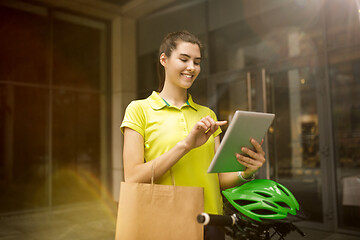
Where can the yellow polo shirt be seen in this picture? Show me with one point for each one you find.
(162, 126)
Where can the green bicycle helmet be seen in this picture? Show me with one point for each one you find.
(262, 199)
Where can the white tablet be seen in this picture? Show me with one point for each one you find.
(243, 126)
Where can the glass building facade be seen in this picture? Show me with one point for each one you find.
(66, 78)
(52, 108)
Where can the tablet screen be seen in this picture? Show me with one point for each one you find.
(243, 126)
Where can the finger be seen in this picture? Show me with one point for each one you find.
(214, 125)
(212, 129)
(221, 123)
(207, 122)
(257, 146)
(211, 120)
(211, 124)
(248, 152)
(254, 155)
(218, 124)
(202, 125)
(249, 162)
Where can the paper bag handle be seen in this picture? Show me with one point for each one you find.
(153, 173)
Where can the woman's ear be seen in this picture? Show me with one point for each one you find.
(163, 59)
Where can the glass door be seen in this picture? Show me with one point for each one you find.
(345, 86)
(343, 38)
(293, 144)
(290, 90)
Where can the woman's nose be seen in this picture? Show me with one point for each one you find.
(191, 66)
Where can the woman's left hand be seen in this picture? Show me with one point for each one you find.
(251, 159)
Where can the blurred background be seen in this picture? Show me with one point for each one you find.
(69, 68)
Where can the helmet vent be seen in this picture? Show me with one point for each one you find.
(270, 204)
(283, 204)
(279, 186)
(244, 202)
(263, 212)
(264, 194)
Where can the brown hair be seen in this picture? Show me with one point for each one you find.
(168, 44)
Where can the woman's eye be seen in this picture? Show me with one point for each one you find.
(183, 60)
(197, 63)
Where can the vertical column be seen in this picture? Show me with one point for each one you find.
(123, 88)
(295, 115)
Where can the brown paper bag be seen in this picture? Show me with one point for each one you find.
(156, 212)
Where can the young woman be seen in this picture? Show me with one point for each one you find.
(176, 134)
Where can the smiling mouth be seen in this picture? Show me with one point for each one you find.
(187, 75)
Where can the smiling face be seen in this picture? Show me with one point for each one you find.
(183, 65)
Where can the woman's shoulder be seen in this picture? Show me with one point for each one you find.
(204, 110)
(197, 106)
(137, 104)
(208, 109)
(135, 112)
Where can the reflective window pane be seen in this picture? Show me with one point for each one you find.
(51, 131)
(345, 85)
(236, 92)
(288, 31)
(23, 46)
(76, 146)
(294, 139)
(232, 95)
(24, 137)
(343, 23)
(76, 55)
(78, 76)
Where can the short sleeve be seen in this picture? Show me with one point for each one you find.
(134, 118)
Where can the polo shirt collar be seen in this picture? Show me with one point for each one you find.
(191, 103)
(157, 103)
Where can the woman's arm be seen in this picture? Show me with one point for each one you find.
(136, 170)
(253, 161)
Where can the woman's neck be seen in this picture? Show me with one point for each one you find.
(175, 96)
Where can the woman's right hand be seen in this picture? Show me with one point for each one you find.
(201, 132)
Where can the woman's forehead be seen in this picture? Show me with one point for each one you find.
(187, 48)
